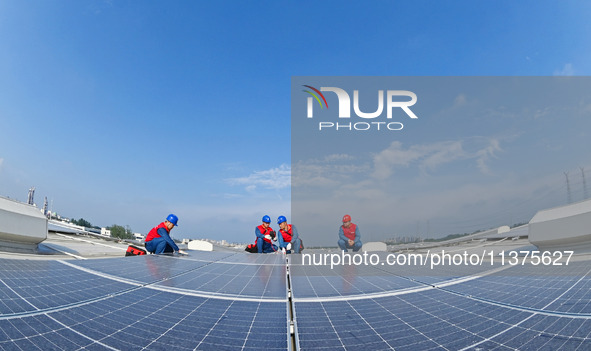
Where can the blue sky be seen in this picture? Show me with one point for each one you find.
(121, 112)
(484, 152)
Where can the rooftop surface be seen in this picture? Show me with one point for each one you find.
(82, 293)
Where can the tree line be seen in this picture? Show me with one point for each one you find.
(117, 231)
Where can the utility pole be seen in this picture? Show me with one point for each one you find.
(568, 188)
(584, 183)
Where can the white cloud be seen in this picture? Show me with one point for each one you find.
(97, 8)
(274, 178)
(442, 153)
(460, 100)
(338, 157)
(232, 196)
(430, 156)
(542, 112)
(341, 169)
(483, 155)
(395, 155)
(567, 70)
(427, 155)
(331, 170)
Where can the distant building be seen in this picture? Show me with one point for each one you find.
(404, 240)
(105, 232)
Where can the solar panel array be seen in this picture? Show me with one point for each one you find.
(145, 302)
(239, 301)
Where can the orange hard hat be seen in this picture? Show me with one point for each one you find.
(346, 218)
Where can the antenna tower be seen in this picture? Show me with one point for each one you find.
(30, 200)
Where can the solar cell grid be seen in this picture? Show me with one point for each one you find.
(430, 316)
(421, 264)
(232, 279)
(172, 319)
(322, 281)
(145, 269)
(467, 320)
(243, 305)
(575, 300)
(535, 288)
(10, 302)
(49, 285)
(243, 258)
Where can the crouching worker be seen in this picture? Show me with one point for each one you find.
(158, 239)
(288, 237)
(265, 236)
(349, 235)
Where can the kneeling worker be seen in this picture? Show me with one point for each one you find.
(158, 239)
(265, 235)
(288, 238)
(349, 236)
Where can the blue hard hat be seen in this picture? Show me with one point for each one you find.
(281, 219)
(172, 219)
(266, 219)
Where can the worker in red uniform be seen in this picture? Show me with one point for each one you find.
(349, 235)
(158, 239)
(265, 236)
(288, 237)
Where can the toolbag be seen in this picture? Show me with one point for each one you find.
(252, 248)
(134, 251)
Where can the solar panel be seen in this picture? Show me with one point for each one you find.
(425, 320)
(314, 281)
(154, 319)
(237, 301)
(230, 279)
(145, 301)
(550, 288)
(148, 268)
(37, 285)
(491, 308)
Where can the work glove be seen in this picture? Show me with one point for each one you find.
(288, 247)
(268, 237)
